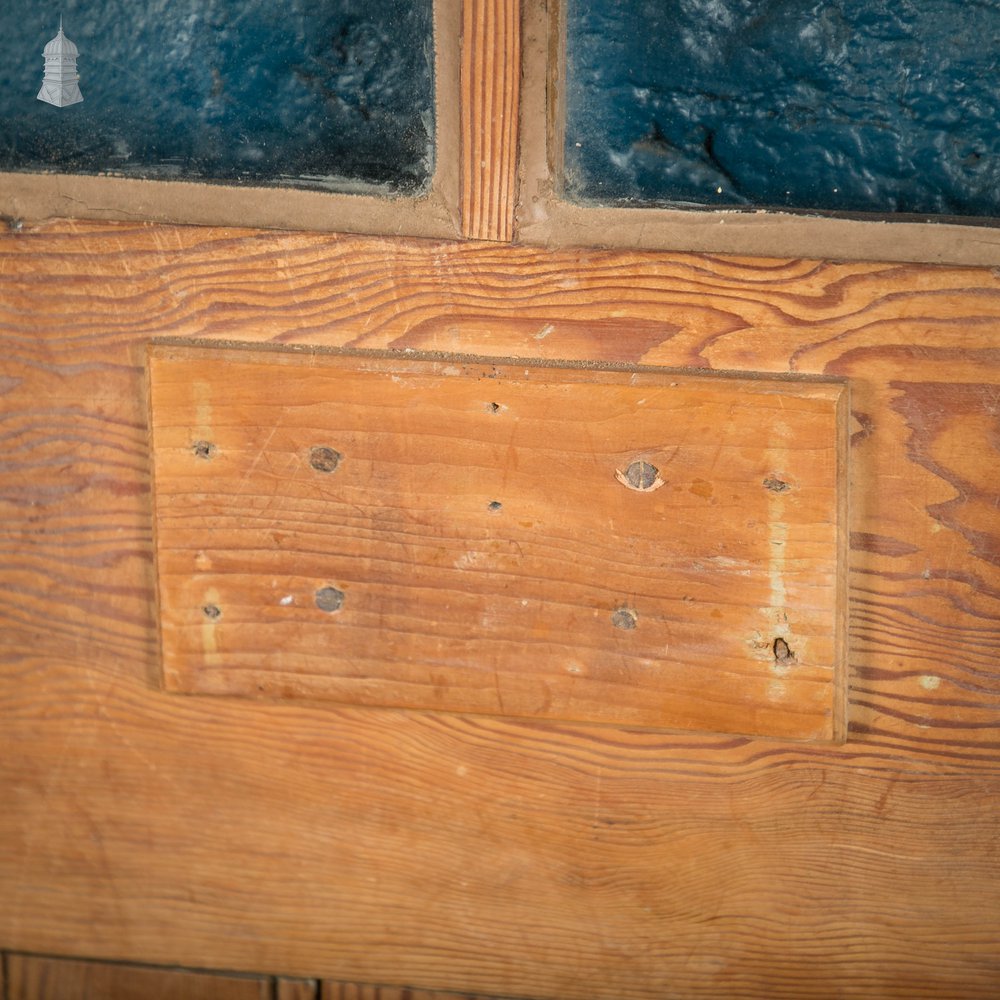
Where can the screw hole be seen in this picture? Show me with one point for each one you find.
(643, 477)
(212, 612)
(624, 618)
(782, 651)
(776, 485)
(203, 449)
(329, 599)
(324, 459)
(495, 506)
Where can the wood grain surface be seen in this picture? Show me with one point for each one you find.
(637, 546)
(490, 91)
(40, 978)
(530, 859)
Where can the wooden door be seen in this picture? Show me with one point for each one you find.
(477, 853)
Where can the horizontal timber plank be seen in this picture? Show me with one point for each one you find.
(475, 854)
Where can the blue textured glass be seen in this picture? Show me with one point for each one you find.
(885, 106)
(330, 94)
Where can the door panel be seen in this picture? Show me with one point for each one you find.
(527, 859)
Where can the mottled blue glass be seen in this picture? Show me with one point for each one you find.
(884, 106)
(329, 94)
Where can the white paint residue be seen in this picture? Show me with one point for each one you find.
(286, 600)
(777, 542)
(738, 567)
(468, 560)
(209, 635)
(202, 393)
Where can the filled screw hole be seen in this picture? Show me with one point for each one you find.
(203, 449)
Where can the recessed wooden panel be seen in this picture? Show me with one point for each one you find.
(642, 547)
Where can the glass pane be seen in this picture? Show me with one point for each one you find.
(888, 106)
(329, 94)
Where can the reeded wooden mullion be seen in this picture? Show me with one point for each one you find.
(491, 71)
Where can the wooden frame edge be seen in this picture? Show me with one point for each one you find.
(543, 217)
(842, 621)
(490, 102)
(433, 214)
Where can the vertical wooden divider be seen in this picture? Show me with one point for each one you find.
(490, 90)
(296, 989)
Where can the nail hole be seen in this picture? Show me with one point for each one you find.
(324, 459)
(494, 407)
(782, 652)
(212, 612)
(776, 485)
(203, 449)
(494, 505)
(624, 618)
(329, 599)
